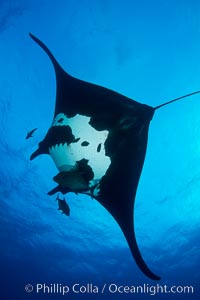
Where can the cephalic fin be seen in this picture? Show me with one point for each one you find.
(35, 154)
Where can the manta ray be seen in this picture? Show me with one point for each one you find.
(98, 141)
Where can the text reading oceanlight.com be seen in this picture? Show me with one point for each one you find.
(76, 288)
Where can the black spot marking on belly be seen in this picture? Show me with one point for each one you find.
(57, 135)
(76, 140)
(85, 144)
(60, 120)
(99, 148)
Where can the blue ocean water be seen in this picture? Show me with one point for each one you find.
(148, 51)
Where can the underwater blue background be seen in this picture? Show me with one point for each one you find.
(146, 50)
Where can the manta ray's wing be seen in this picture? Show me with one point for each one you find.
(120, 127)
(118, 187)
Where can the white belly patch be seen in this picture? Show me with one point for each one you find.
(89, 145)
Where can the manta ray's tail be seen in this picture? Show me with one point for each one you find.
(179, 98)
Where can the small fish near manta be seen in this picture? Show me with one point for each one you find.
(63, 206)
(30, 133)
(98, 140)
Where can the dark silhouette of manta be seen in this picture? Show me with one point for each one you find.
(108, 169)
